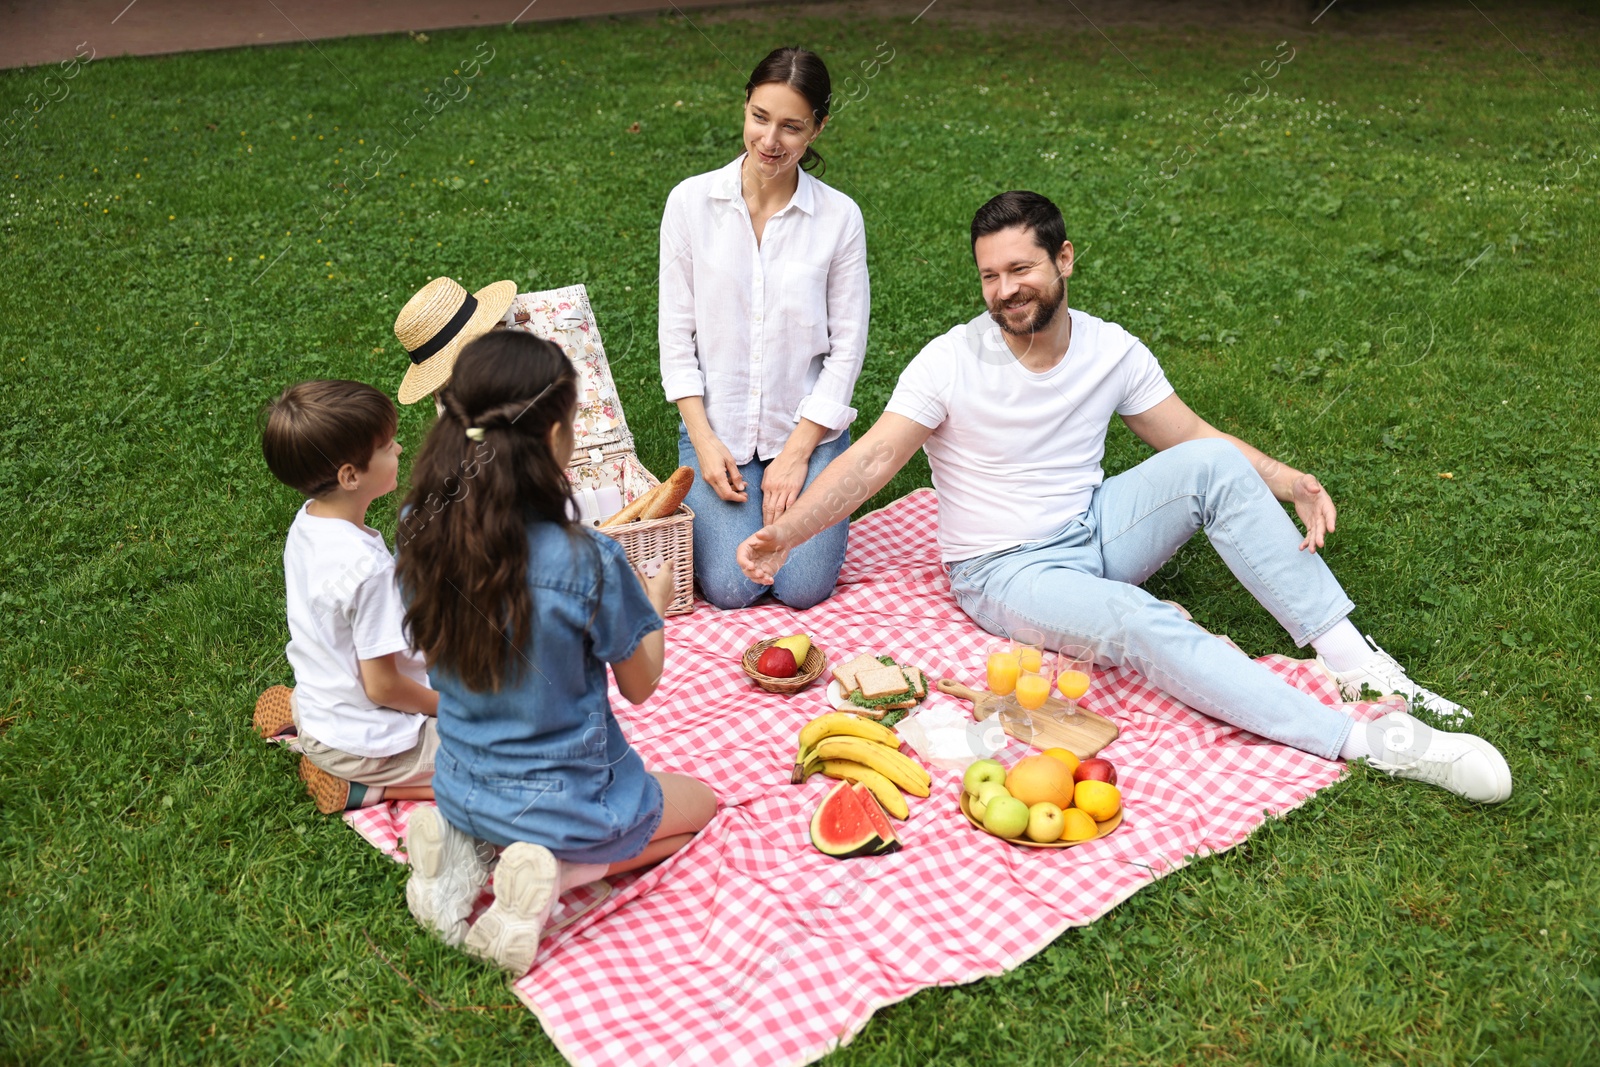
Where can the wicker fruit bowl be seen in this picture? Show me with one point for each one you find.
(816, 662)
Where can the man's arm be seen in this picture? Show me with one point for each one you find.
(1172, 422)
(844, 485)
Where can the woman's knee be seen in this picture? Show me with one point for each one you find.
(812, 573)
(803, 596)
(728, 591)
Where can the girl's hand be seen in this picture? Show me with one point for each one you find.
(781, 484)
(657, 586)
(718, 469)
(1315, 508)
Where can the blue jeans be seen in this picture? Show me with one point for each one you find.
(1082, 587)
(809, 574)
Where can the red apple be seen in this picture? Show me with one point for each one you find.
(777, 662)
(1095, 770)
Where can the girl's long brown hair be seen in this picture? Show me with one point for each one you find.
(463, 543)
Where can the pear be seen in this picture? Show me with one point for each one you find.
(799, 644)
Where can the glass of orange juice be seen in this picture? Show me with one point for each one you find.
(1030, 648)
(1003, 667)
(1074, 673)
(1033, 683)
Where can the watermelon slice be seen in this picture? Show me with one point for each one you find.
(841, 826)
(878, 817)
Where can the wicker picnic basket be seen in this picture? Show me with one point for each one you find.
(809, 671)
(604, 454)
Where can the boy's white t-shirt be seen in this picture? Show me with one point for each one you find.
(345, 606)
(1015, 455)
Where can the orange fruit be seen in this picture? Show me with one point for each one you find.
(1066, 756)
(1099, 799)
(1040, 778)
(1076, 825)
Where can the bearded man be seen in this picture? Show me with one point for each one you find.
(1012, 409)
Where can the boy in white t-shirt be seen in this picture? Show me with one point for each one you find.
(362, 711)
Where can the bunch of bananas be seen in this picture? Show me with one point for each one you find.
(857, 749)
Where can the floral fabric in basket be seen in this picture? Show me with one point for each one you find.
(603, 453)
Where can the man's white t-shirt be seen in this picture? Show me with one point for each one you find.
(345, 606)
(1016, 455)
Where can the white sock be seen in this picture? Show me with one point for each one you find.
(1343, 648)
(1356, 746)
(573, 875)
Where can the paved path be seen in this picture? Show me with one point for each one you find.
(48, 31)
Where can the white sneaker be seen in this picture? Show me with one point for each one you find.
(1406, 747)
(526, 886)
(1384, 674)
(447, 873)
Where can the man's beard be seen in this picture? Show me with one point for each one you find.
(1044, 312)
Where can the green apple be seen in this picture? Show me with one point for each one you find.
(1005, 816)
(982, 772)
(1044, 822)
(979, 802)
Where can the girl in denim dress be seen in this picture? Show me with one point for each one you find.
(518, 610)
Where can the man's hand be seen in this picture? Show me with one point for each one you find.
(1315, 508)
(781, 483)
(762, 554)
(718, 469)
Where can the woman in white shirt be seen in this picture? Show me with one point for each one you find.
(763, 327)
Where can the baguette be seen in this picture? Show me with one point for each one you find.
(659, 502)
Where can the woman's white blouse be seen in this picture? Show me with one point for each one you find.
(768, 334)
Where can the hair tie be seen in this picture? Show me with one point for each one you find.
(475, 433)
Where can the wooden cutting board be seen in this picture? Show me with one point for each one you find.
(1083, 734)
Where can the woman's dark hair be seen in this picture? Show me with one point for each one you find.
(1034, 213)
(804, 72)
(463, 543)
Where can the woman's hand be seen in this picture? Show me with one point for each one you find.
(1315, 508)
(718, 469)
(782, 482)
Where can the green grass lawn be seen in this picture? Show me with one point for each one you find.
(1381, 270)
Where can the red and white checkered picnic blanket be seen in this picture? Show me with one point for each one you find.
(750, 946)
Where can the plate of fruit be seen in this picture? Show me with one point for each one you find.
(1052, 800)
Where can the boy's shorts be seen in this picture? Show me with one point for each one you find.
(413, 767)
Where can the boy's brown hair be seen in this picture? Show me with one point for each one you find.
(316, 427)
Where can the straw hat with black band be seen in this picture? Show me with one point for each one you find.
(440, 318)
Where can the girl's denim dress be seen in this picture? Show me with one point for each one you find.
(544, 760)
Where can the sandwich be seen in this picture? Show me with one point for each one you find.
(845, 673)
(878, 687)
